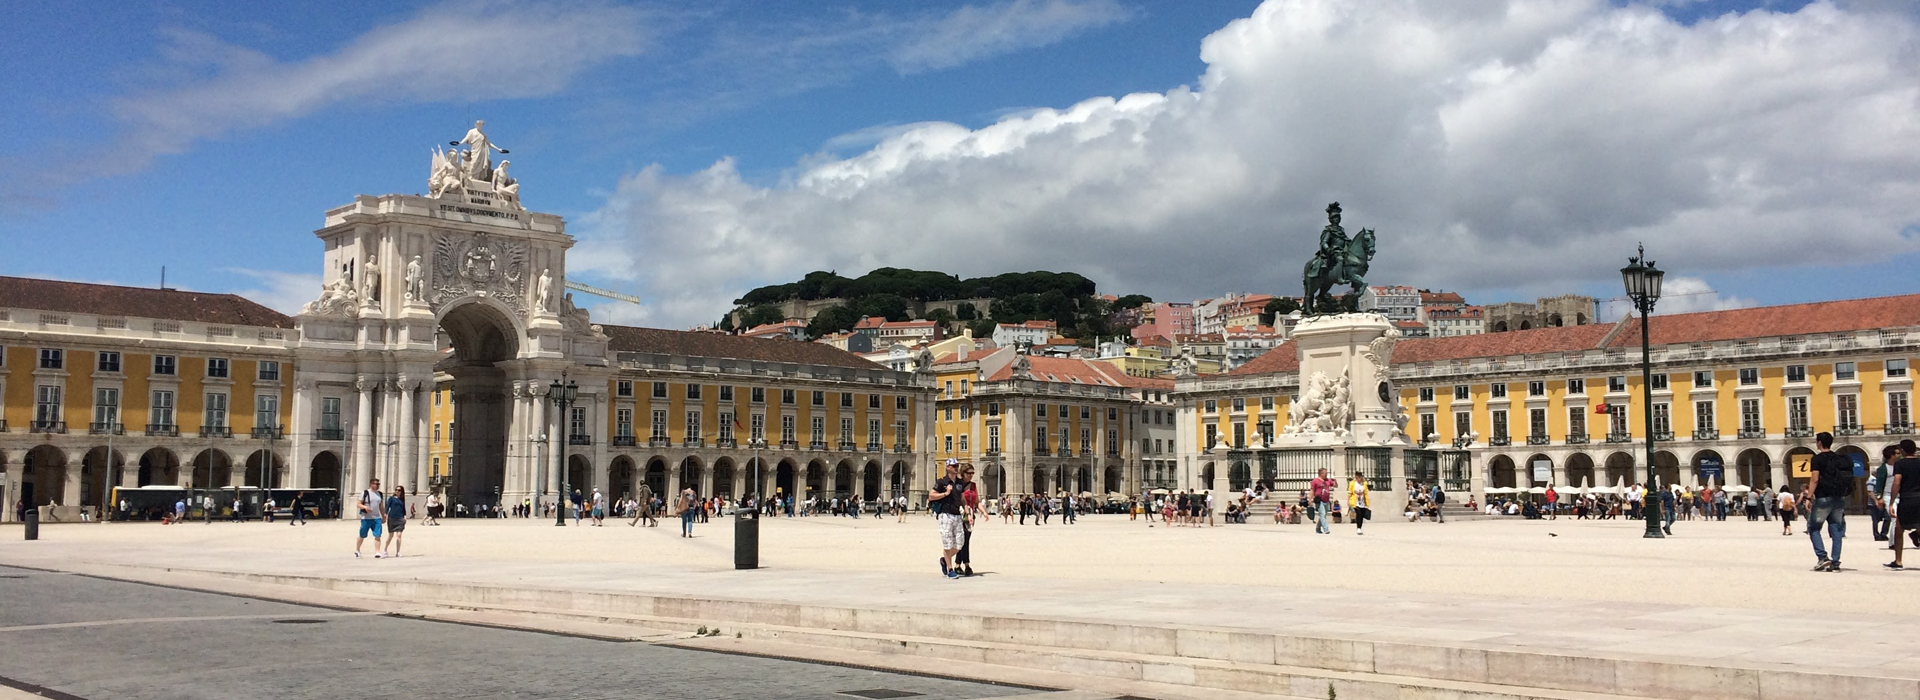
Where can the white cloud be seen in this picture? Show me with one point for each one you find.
(1679, 295)
(975, 32)
(284, 292)
(1494, 144)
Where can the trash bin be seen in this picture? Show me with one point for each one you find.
(746, 539)
(33, 524)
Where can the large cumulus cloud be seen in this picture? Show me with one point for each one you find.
(1494, 144)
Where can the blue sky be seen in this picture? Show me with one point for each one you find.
(210, 138)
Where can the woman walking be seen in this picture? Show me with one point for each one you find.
(1358, 502)
(396, 521)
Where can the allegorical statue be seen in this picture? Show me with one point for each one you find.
(1340, 260)
(479, 160)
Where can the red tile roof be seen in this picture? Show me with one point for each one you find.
(137, 302)
(1441, 298)
(1284, 357)
(1065, 370)
(1774, 321)
(1529, 342)
(691, 344)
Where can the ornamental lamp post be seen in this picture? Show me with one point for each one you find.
(1642, 279)
(562, 396)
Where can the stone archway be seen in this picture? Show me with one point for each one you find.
(98, 473)
(324, 471)
(1500, 473)
(1112, 482)
(1040, 482)
(482, 338)
(579, 475)
(993, 481)
(45, 477)
(723, 469)
(843, 479)
(870, 482)
(656, 478)
(1707, 458)
(1083, 479)
(161, 467)
(1621, 470)
(1206, 477)
(212, 469)
(1666, 468)
(620, 478)
(1526, 472)
(692, 475)
(1580, 471)
(816, 479)
(784, 475)
(1755, 468)
(900, 480)
(275, 466)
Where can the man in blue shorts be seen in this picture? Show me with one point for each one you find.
(372, 507)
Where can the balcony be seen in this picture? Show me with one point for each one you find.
(578, 439)
(1849, 430)
(817, 446)
(1499, 441)
(1752, 433)
(1578, 439)
(876, 447)
(625, 441)
(1619, 437)
(48, 426)
(846, 446)
(216, 431)
(789, 445)
(1040, 451)
(1538, 439)
(106, 429)
(267, 433)
(991, 451)
(320, 434)
(901, 447)
(693, 442)
(1891, 429)
(1663, 436)
(1706, 434)
(659, 441)
(166, 430)
(725, 443)
(1800, 432)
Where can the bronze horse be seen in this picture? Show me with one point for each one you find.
(1346, 266)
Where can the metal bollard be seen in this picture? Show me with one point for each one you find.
(33, 524)
(746, 539)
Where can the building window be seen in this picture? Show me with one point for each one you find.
(659, 390)
(873, 430)
(623, 422)
(757, 395)
(963, 444)
(693, 392)
(1063, 410)
(1213, 435)
(1266, 403)
(268, 371)
(1616, 384)
(819, 398)
(1797, 413)
(1536, 388)
(993, 439)
(786, 397)
(1703, 417)
(1427, 430)
(166, 364)
(1796, 374)
(266, 411)
(1239, 405)
(53, 358)
(1113, 442)
(1749, 376)
(1703, 380)
(900, 432)
(1898, 412)
(623, 387)
(329, 411)
(1462, 424)
(693, 425)
(1660, 382)
(757, 427)
(1499, 424)
(819, 426)
(1896, 368)
(946, 414)
(1426, 394)
(108, 362)
(948, 391)
(659, 425)
(106, 407)
(1213, 406)
(963, 391)
(1750, 417)
(217, 367)
(873, 401)
(787, 430)
(726, 392)
(1537, 422)
(1576, 421)
(846, 399)
(1662, 418)
(726, 425)
(1576, 386)
(216, 411)
(1843, 371)
(1239, 435)
(436, 397)
(846, 429)
(1460, 392)
(46, 404)
(1848, 406)
(966, 412)
(1039, 411)
(948, 445)
(1086, 437)
(577, 421)
(1498, 390)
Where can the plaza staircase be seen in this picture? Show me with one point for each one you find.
(1111, 656)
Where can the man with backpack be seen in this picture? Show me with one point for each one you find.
(1832, 483)
(1439, 503)
(373, 510)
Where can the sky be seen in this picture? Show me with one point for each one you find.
(1765, 151)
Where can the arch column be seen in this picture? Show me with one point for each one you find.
(361, 466)
(407, 471)
(300, 434)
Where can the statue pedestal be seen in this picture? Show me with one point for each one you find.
(1350, 353)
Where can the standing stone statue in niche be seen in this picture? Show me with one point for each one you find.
(543, 292)
(416, 285)
(1340, 260)
(372, 295)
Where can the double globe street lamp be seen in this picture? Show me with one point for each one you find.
(562, 396)
(1643, 288)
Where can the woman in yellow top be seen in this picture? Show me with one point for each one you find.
(1357, 502)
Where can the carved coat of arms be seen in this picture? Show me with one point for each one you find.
(479, 264)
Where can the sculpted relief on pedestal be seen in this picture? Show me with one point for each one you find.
(477, 264)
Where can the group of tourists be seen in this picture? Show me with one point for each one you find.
(955, 503)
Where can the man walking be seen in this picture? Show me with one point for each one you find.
(599, 509)
(1905, 487)
(373, 508)
(1878, 493)
(1832, 483)
(1322, 488)
(944, 500)
(1439, 503)
(689, 505)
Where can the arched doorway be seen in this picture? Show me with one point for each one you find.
(870, 481)
(1666, 468)
(1500, 472)
(657, 476)
(1580, 471)
(212, 469)
(482, 334)
(783, 476)
(723, 477)
(98, 472)
(1239, 474)
(160, 467)
(1206, 477)
(579, 475)
(1039, 481)
(900, 480)
(1755, 468)
(1534, 466)
(1112, 482)
(274, 465)
(1859, 457)
(816, 478)
(324, 471)
(1621, 470)
(1083, 479)
(620, 478)
(692, 475)
(45, 469)
(1710, 459)
(843, 479)
(993, 481)
(755, 478)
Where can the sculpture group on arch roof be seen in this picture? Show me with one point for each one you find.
(471, 171)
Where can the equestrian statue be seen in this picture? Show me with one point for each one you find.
(1339, 261)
